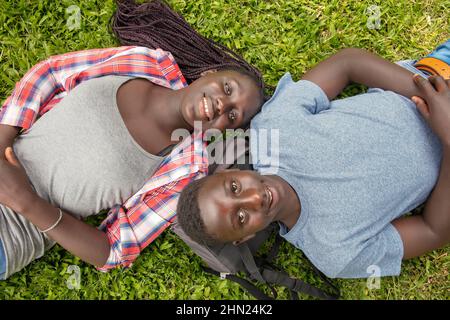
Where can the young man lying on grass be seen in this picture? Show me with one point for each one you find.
(348, 169)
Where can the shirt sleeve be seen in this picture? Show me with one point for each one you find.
(50, 80)
(131, 230)
(380, 256)
(300, 94)
(312, 97)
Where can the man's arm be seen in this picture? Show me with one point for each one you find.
(359, 66)
(431, 230)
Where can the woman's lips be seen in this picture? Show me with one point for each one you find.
(206, 109)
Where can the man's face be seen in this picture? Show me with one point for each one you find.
(235, 204)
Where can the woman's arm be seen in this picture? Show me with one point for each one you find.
(48, 81)
(359, 66)
(81, 239)
(431, 230)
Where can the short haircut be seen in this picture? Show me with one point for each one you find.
(189, 217)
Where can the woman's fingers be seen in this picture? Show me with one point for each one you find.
(421, 106)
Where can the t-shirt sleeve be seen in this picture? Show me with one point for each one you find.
(313, 98)
(380, 256)
(300, 94)
(346, 255)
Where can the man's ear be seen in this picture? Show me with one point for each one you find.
(238, 242)
(204, 73)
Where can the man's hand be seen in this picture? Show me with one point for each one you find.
(431, 230)
(435, 105)
(15, 189)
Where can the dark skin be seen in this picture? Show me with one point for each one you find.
(91, 244)
(151, 112)
(420, 234)
(235, 205)
(240, 203)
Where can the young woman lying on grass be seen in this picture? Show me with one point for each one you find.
(347, 171)
(105, 118)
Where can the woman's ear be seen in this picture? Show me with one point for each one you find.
(204, 73)
(238, 242)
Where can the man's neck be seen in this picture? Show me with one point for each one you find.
(292, 208)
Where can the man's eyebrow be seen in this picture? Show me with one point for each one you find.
(233, 221)
(225, 186)
(227, 192)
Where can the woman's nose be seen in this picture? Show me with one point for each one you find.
(220, 106)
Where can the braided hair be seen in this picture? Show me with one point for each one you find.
(155, 25)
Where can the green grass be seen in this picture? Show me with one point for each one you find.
(276, 36)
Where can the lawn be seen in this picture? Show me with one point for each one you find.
(276, 36)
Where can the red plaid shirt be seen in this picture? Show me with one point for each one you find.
(131, 226)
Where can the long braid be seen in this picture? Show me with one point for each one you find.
(155, 25)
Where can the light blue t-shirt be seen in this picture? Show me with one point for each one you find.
(356, 164)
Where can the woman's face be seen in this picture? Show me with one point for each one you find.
(221, 100)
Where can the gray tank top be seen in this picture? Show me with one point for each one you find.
(79, 157)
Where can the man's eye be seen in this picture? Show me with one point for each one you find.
(232, 115)
(227, 89)
(241, 217)
(234, 187)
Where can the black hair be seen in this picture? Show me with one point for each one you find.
(154, 25)
(188, 213)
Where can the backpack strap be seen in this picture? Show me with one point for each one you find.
(273, 253)
(297, 285)
(250, 287)
(249, 262)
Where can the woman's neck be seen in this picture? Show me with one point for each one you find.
(164, 106)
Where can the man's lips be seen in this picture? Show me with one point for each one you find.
(269, 198)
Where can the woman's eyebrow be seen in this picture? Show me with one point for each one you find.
(238, 84)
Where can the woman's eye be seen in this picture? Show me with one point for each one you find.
(234, 187)
(232, 115)
(227, 89)
(241, 217)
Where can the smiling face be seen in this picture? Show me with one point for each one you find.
(221, 100)
(234, 205)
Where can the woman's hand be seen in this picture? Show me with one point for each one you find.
(15, 189)
(434, 105)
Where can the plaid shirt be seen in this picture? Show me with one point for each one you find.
(131, 226)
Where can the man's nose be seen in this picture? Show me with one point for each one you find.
(252, 198)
